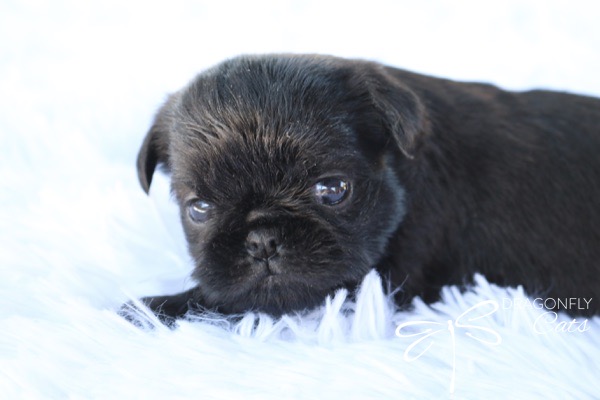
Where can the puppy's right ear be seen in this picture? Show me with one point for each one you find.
(155, 148)
(401, 110)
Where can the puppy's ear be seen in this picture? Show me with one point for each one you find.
(155, 148)
(402, 112)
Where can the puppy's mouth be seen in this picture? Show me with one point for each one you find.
(265, 268)
(265, 274)
(267, 286)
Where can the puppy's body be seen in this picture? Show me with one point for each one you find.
(508, 185)
(297, 174)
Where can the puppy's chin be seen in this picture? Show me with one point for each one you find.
(274, 293)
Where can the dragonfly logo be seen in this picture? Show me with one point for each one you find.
(426, 330)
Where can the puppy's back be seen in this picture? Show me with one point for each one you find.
(513, 179)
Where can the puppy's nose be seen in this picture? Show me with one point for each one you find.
(262, 244)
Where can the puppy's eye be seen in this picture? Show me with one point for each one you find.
(198, 211)
(331, 191)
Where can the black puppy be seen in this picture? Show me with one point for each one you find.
(297, 174)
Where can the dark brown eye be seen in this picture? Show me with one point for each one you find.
(331, 191)
(198, 211)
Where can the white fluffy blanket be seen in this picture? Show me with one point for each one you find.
(80, 82)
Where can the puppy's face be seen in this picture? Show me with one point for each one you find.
(284, 169)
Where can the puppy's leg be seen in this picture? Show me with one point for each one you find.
(166, 308)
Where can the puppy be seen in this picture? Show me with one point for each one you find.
(297, 174)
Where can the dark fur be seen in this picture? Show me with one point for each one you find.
(447, 179)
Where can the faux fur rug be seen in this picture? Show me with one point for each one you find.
(78, 237)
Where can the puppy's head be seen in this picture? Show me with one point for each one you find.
(284, 169)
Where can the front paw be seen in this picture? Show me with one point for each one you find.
(141, 314)
(148, 312)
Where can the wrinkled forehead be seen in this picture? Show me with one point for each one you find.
(260, 158)
(261, 125)
(267, 96)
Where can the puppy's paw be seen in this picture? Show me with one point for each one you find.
(141, 314)
(150, 312)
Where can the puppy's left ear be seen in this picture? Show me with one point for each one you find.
(155, 148)
(401, 109)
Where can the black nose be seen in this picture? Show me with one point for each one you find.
(262, 244)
